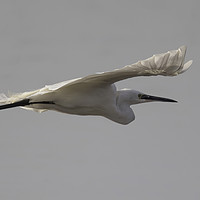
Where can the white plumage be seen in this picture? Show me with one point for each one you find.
(97, 95)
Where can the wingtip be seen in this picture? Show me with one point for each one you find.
(186, 66)
(183, 47)
(183, 50)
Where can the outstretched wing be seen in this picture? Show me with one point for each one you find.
(170, 63)
(166, 64)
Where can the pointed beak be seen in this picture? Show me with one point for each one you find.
(154, 98)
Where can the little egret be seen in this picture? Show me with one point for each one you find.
(97, 94)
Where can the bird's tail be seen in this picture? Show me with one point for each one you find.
(13, 101)
(15, 97)
(21, 100)
(24, 102)
(3, 98)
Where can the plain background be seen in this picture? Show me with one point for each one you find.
(56, 156)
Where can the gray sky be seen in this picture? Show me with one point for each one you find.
(56, 156)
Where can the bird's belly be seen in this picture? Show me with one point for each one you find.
(87, 101)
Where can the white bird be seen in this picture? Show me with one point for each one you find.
(97, 94)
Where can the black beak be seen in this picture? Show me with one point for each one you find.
(153, 98)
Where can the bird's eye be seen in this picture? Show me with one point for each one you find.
(139, 96)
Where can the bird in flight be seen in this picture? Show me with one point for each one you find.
(97, 94)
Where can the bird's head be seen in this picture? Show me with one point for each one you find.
(136, 97)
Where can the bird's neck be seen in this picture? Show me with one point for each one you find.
(124, 114)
